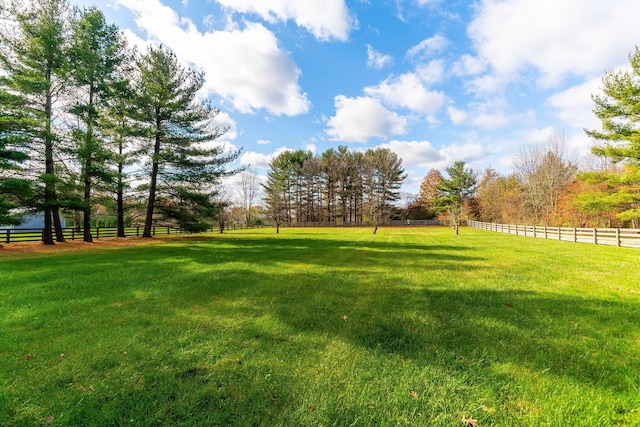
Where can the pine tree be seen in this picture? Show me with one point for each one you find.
(455, 189)
(618, 109)
(178, 129)
(14, 136)
(33, 54)
(96, 53)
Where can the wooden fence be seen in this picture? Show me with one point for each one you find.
(340, 224)
(35, 234)
(623, 237)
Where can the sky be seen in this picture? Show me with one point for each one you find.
(435, 81)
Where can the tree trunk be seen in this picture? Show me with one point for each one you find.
(120, 193)
(57, 225)
(148, 222)
(86, 212)
(47, 232)
(87, 174)
(49, 186)
(120, 213)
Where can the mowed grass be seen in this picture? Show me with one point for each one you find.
(323, 327)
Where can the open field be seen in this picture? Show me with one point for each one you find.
(331, 327)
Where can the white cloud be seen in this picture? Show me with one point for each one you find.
(407, 91)
(555, 38)
(456, 115)
(263, 142)
(491, 114)
(361, 119)
(223, 120)
(422, 155)
(376, 59)
(415, 153)
(257, 160)
(575, 106)
(468, 65)
(325, 19)
(433, 72)
(428, 47)
(232, 59)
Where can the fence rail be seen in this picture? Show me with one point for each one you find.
(340, 224)
(622, 237)
(35, 234)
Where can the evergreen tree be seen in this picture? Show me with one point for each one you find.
(14, 136)
(276, 191)
(178, 129)
(35, 59)
(454, 190)
(618, 109)
(383, 179)
(122, 133)
(96, 52)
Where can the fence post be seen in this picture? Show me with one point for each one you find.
(8, 235)
(97, 232)
(138, 231)
(575, 235)
(595, 236)
(618, 237)
(559, 235)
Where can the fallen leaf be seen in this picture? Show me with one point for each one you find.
(62, 355)
(414, 395)
(28, 356)
(470, 422)
(49, 419)
(345, 317)
(509, 305)
(312, 407)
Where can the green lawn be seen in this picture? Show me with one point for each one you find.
(323, 327)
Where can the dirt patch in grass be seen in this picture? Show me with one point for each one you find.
(78, 245)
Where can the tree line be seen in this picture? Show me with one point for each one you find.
(87, 120)
(336, 187)
(547, 186)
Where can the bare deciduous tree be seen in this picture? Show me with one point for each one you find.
(544, 169)
(248, 189)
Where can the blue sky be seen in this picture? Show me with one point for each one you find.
(436, 81)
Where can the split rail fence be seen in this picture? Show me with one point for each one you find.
(622, 237)
(35, 234)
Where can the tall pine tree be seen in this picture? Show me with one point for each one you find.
(96, 52)
(33, 54)
(183, 166)
(618, 109)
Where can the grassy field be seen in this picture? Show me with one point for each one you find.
(323, 327)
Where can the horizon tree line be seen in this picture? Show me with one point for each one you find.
(336, 187)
